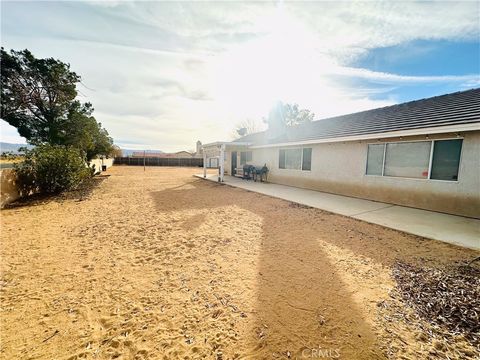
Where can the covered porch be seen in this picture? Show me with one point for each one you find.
(227, 157)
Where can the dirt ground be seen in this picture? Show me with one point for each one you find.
(164, 265)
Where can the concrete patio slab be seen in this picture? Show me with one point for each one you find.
(453, 229)
(456, 230)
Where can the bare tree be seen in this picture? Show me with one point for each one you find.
(116, 151)
(246, 127)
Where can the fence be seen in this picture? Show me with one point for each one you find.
(159, 161)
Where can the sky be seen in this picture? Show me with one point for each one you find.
(162, 75)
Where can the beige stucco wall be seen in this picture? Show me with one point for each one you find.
(8, 188)
(340, 168)
(99, 162)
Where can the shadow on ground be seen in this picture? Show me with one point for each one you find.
(302, 304)
(83, 192)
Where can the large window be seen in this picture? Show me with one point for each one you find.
(414, 159)
(408, 159)
(296, 159)
(446, 159)
(375, 159)
(307, 159)
(245, 157)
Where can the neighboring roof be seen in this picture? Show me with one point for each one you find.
(446, 110)
(160, 154)
(146, 154)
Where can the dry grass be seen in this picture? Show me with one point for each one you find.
(163, 265)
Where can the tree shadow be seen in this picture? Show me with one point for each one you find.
(301, 305)
(83, 192)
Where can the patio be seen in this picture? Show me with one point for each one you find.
(452, 229)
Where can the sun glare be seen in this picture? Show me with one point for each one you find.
(285, 64)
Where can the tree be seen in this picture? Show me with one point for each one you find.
(37, 95)
(287, 115)
(248, 126)
(38, 98)
(116, 151)
(295, 116)
(88, 136)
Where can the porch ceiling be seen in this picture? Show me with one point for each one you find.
(228, 145)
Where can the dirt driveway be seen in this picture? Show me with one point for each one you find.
(164, 265)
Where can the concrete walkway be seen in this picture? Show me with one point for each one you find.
(453, 229)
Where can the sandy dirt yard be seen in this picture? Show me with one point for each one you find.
(160, 264)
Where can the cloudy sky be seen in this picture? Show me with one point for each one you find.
(162, 75)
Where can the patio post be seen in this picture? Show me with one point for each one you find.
(204, 163)
(222, 162)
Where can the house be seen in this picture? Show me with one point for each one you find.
(178, 155)
(147, 154)
(423, 154)
(198, 150)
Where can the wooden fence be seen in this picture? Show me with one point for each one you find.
(159, 161)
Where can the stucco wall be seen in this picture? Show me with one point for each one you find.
(8, 188)
(98, 164)
(340, 168)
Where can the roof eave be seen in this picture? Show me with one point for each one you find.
(390, 134)
(227, 143)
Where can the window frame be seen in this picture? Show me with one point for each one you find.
(301, 158)
(246, 157)
(311, 155)
(432, 147)
(383, 158)
(460, 157)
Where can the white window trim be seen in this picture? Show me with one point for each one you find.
(301, 159)
(239, 154)
(429, 164)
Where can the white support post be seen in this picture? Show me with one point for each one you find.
(204, 163)
(222, 162)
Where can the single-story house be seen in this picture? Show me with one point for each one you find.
(147, 154)
(177, 155)
(423, 154)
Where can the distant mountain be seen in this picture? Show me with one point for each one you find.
(9, 147)
(129, 152)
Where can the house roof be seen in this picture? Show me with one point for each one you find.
(440, 111)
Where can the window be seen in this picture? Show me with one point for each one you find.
(296, 159)
(293, 159)
(281, 159)
(414, 159)
(307, 159)
(446, 159)
(408, 159)
(375, 159)
(245, 157)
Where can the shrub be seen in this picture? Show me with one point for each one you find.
(51, 169)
